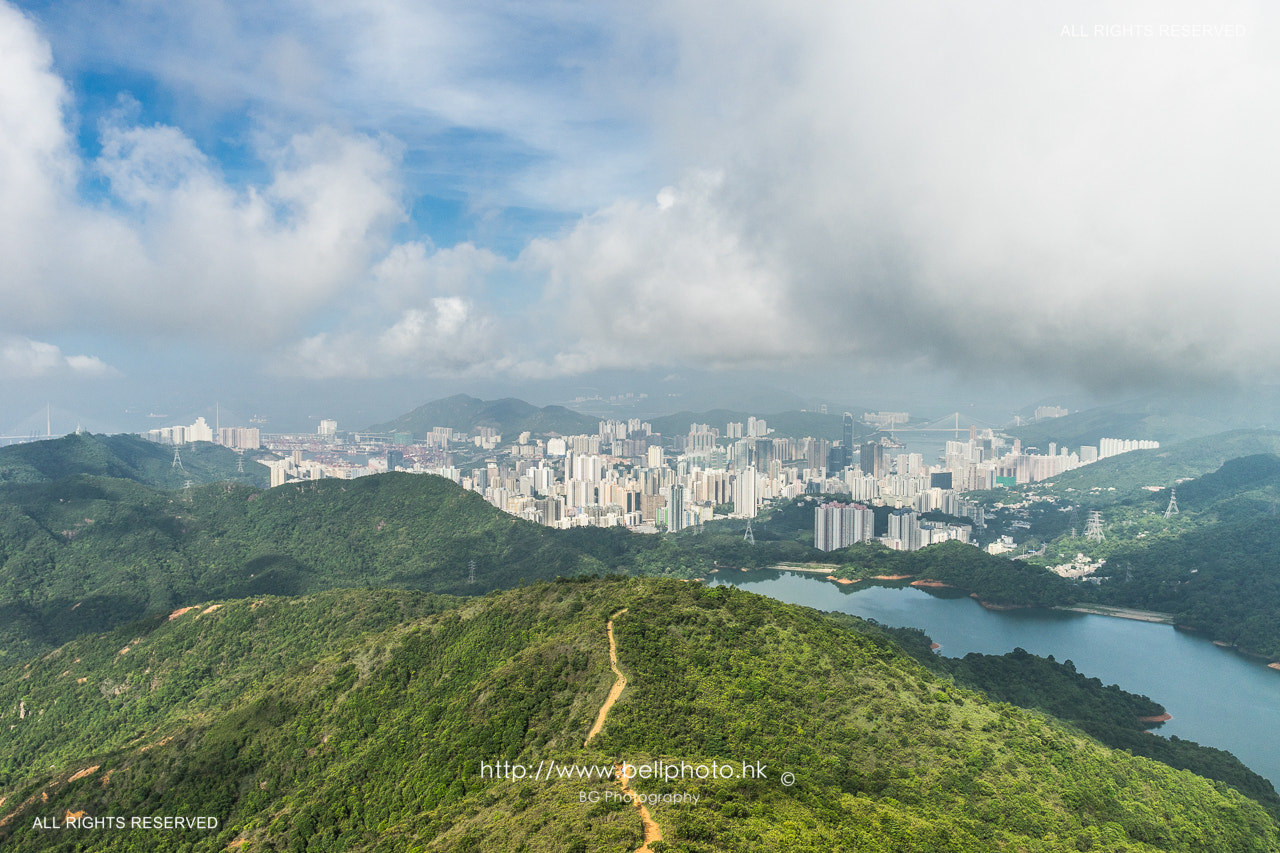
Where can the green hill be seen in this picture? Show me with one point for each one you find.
(1167, 418)
(1213, 566)
(394, 725)
(1128, 473)
(86, 553)
(508, 416)
(127, 457)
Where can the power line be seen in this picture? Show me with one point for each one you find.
(1093, 527)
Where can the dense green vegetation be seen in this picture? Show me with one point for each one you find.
(508, 416)
(128, 457)
(360, 721)
(1107, 713)
(1123, 477)
(82, 555)
(1215, 566)
(88, 553)
(994, 580)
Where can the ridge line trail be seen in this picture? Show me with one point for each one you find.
(652, 832)
(616, 690)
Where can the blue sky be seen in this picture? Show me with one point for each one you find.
(418, 198)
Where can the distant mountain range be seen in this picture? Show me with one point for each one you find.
(1163, 417)
(508, 416)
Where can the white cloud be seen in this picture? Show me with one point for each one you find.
(411, 271)
(900, 181)
(23, 358)
(176, 249)
(665, 282)
(848, 181)
(447, 337)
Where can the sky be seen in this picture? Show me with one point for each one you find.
(355, 206)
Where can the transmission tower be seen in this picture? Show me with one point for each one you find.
(471, 573)
(1173, 503)
(177, 458)
(240, 463)
(1093, 528)
(749, 536)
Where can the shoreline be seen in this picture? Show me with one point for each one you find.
(1119, 613)
(826, 570)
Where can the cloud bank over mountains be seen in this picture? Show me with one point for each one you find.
(1075, 193)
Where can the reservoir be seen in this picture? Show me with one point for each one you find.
(1217, 697)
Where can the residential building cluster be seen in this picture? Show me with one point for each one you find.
(237, 438)
(839, 525)
(626, 474)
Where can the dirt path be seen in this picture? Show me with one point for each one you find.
(652, 832)
(618, 685)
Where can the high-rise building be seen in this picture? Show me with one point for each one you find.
(1115, 446)
(848, 437)
(240, 438)
(871, 459)
(904, 530)
(837, 525)
(655, 457)
(746, 493)
(199, 431)
(675, 509)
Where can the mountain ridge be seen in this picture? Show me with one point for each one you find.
(379, 738)
(510, 416)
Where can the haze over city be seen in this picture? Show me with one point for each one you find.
(344, 210)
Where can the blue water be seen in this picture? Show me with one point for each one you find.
(1217, 697)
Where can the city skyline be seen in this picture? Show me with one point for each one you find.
(344, 211)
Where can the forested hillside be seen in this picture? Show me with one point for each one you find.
(88, 553)
(1214, 566)
(129, 457)
(370, 729)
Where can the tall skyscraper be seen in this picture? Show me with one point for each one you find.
(675, 509)
(848, 436)
(746, 493)
(871, 459)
